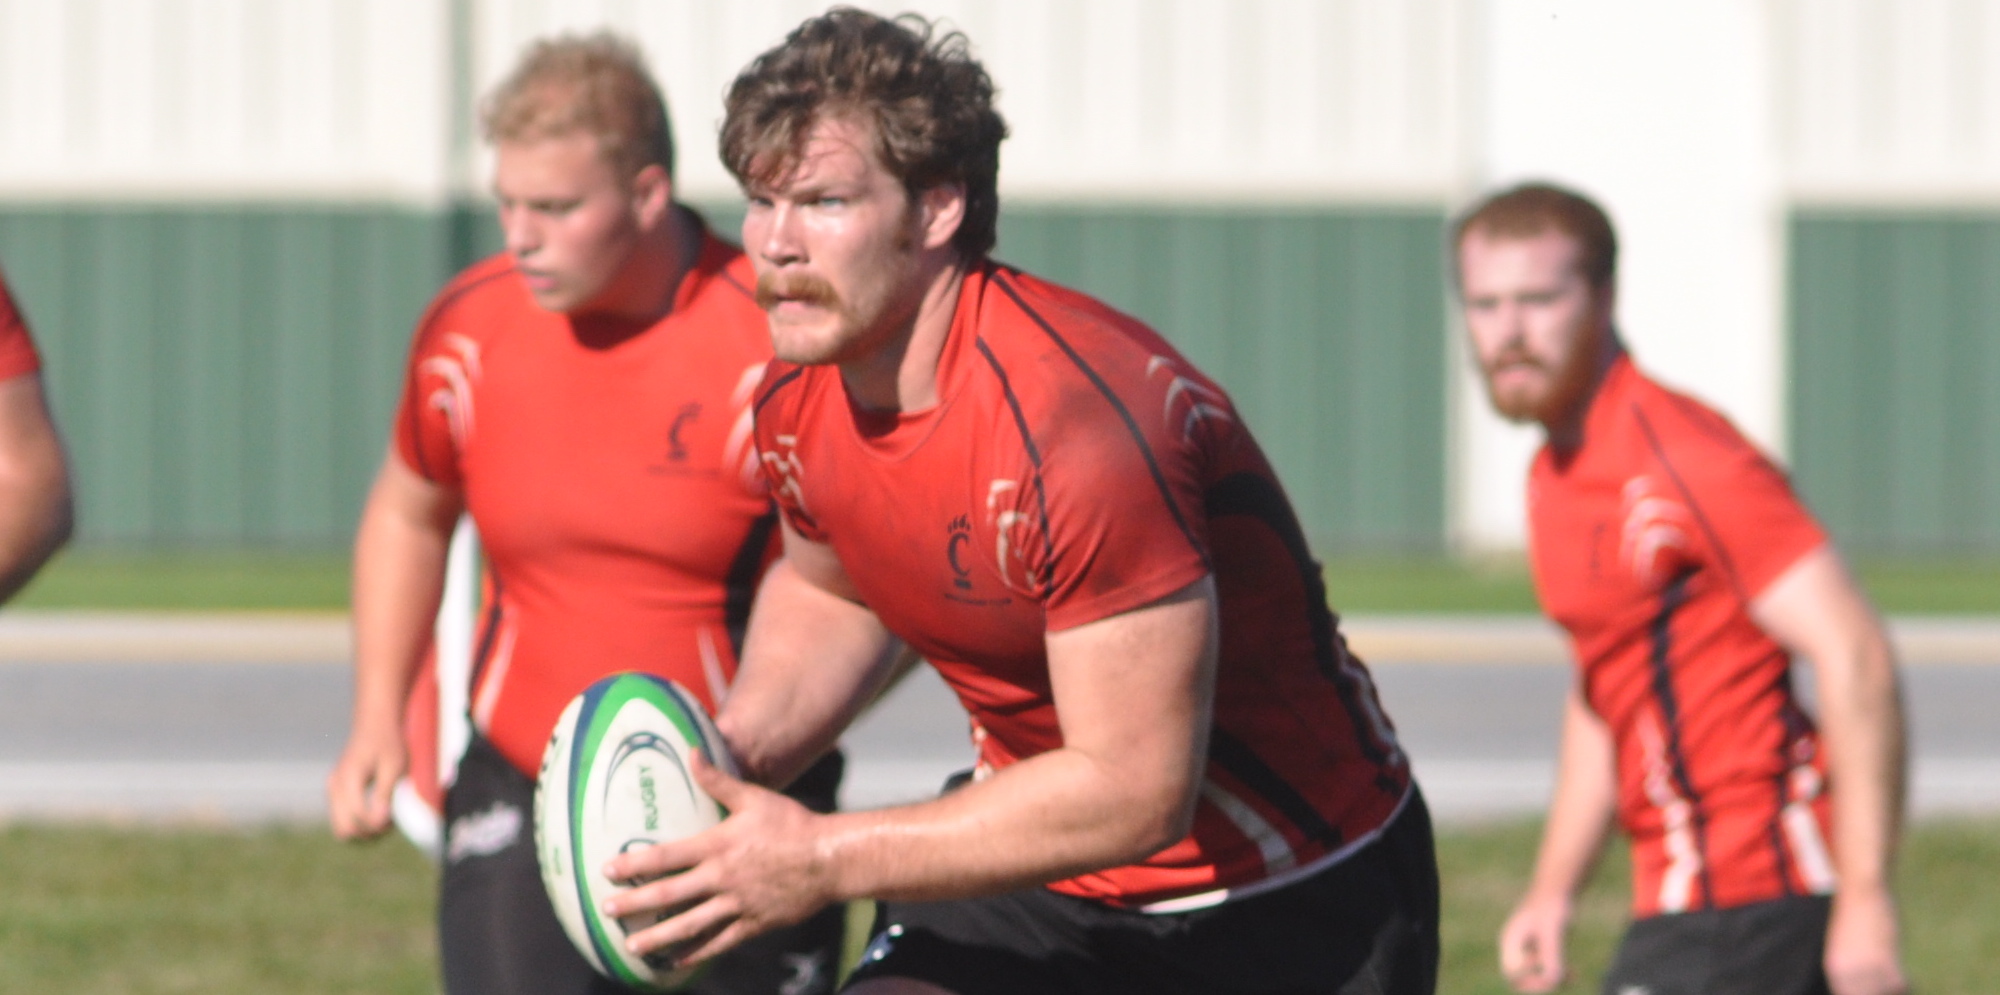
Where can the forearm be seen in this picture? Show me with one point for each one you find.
(1050, 817)
(1863, 735)
(399, 564)
(1581, 812)
(1134, 694)
(811, 661)
(1817, 611)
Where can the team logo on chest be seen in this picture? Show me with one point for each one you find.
(960, 531)
(680, 433)
(684, 419)
(959, 558)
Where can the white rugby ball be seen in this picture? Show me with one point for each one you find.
(615, 778)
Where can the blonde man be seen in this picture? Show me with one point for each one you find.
(585, 397)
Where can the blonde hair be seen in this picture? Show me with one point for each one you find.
(596, 85)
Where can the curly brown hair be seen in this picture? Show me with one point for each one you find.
(1533, 208)
(595, 85)
(930, 104)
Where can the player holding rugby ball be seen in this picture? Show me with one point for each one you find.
(1185, 781)
(585, 397)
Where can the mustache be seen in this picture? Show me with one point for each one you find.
(1516, 357)
(805, 288)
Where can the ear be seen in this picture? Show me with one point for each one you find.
(652, 196)
(942, 210)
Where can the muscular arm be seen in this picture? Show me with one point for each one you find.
(399, 555)
(1586, 797)
(36, 511)
(1816, 610)
(1134, 694)
(813, 658)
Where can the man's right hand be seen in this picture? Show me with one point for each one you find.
(359, 789)
(1531, 944)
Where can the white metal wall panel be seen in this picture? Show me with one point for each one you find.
(1890, 101)
(1275, 100)
(224, 98)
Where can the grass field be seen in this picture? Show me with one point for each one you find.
(318, 582)
(146, 911)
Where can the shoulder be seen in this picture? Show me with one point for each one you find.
(780, 397)
(486, 289)
(1685, 431)
(721, 297)
(1079, 360)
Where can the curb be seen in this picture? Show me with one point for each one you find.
(326, 637)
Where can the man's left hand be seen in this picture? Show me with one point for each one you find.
(1861, 956)
(757, 870)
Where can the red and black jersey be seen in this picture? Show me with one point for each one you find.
(17, 348)
(610, 471)
(1649, 543)
(1076, 467)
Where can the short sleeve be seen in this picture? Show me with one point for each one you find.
(1755, 526)
(17, 348)
(1122, 509)
(436, 413)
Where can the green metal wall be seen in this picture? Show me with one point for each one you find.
(224, 376)
(1326, 325)
(1895, 358)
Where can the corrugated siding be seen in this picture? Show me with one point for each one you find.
(1896, 378)
(1326, 326)
(223, 375)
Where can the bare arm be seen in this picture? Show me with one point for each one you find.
(1586, 797)
(1817, 611)
(36, 510)
(813, 658)
(1134, 694)
(399, 554)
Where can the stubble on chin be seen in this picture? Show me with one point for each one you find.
(1546, 398)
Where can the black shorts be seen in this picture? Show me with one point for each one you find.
(1769, 948)
(498, 935)
(1368, 924)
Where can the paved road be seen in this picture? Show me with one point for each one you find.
(169, 718)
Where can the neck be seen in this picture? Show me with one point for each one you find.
(1565, 433)
(645, 287)
(902, 374)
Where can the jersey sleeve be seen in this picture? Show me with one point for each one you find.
(435, 413)
(1755, 527)
(1120, 503)
(17, 348)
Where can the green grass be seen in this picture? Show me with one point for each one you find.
(90, 909)
(106, 579)
(1365, 585)
(190, 581)
(151, 911)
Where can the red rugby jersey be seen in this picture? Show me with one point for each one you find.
(610, 471)
(1076, 467)
(17, 349)
(1649, 543)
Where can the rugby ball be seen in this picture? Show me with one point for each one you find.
(615, 778)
